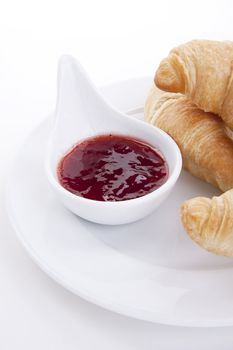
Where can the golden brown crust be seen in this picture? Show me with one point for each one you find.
(209, 222)
(206, 149)
(203, 71)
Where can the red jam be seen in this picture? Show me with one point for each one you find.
(112, 168)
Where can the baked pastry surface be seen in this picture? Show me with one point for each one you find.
(209, 222)
(206, 149)
(203, 71)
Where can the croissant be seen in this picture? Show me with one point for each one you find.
(203, 71)
(206, 149)
(209, 222)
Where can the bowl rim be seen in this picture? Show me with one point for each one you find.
(169, 183)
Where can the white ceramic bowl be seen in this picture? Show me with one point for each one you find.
(82, 112)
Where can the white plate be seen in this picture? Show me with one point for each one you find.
(149, 270)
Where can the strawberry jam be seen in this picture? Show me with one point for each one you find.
(112, 168)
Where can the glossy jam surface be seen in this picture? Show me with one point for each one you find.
(112, 168)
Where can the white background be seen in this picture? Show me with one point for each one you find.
(113, 40)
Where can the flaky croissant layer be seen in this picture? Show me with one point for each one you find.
(206, 149)
(208, 154)
(203, 71)
(209, 222)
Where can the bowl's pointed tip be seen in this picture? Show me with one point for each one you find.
(70, 66)
(66, 61)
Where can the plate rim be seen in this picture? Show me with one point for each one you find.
(106, 304)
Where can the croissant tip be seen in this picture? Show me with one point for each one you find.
(167, 78)
(192, 220)
(194, 214)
